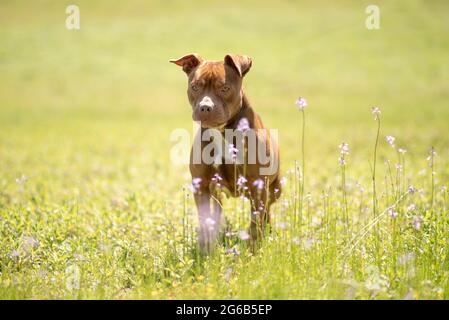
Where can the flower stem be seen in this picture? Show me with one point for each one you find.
(374, 168)
(301, 192)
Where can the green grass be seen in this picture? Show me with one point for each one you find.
(86, 116)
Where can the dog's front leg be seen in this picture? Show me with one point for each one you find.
(209, 220)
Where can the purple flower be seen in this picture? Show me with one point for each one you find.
(283, 181)
(344, 151)
(417, 221)
(390, 140)
(301, 103)
(241, 181)
(344, 148)
(376, 112)
(233, 251)
(217, 178)
(392, 212)
(258, 184)
(233, 151)
(411, 189)
(432, 154)
(196, 183)
(243, 125)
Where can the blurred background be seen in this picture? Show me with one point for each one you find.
(92, 109)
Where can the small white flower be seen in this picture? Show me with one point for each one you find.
(417, 222)
(393, 213)
(411, 207)
(344, 151)
(402, 150)
(233, 151)
(22, 179)
(243, 125)
(361, 188)
(258, 184)
(241, 181)
(301, 103)
(283, 181)
(243, 235)
(411, 189)
(233, 251)
(432, 154)
(390, 140)
(344, 148)
(196, 184)
(217, 178)
(376, 112)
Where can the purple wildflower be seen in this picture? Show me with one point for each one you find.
(417, 222)
(301, 103)
(390, 140)
(376, 112)
(196, 184)
(258, 184)
(243, 125)
(233, 151)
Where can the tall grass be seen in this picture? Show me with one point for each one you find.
(336, 250)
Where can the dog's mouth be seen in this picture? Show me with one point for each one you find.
(210, 123)
(218, 126)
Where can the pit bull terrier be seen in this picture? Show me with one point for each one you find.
(218, 102)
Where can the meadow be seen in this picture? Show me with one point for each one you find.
(91, 207)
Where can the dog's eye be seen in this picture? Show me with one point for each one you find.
(195, 87)
(225, 89)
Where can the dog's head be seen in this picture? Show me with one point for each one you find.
(214, 87)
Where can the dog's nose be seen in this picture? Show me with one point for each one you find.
(205, 108)
(206, 104)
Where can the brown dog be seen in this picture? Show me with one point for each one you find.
(216, 95)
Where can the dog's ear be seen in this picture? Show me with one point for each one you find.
(188, 62)
(239, 62)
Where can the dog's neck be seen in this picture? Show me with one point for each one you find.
(243, 112)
